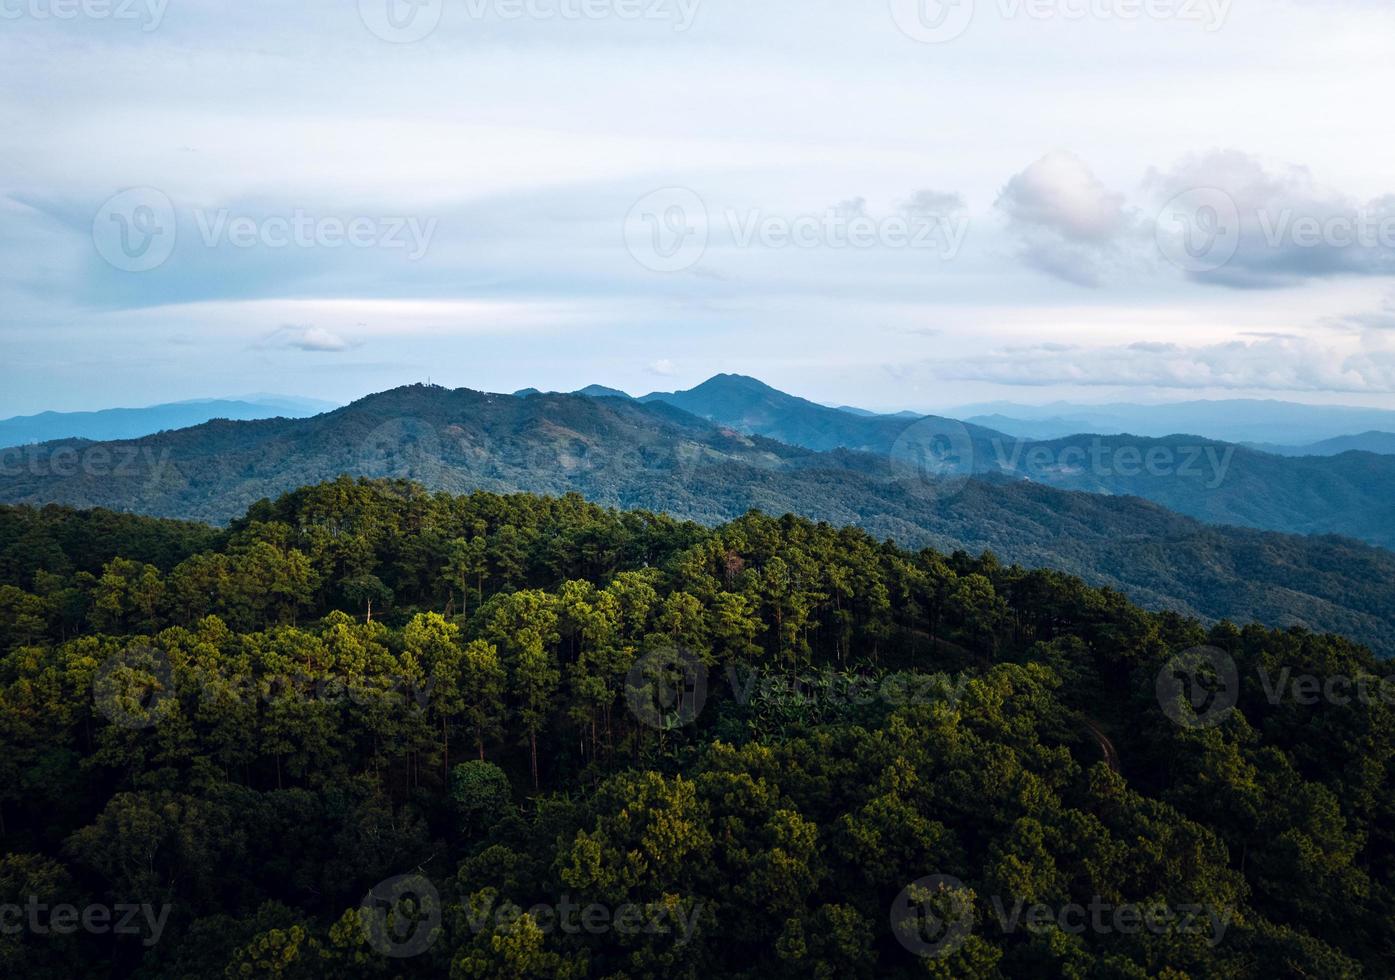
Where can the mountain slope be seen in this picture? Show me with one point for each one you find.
(1363, 442)
(658, 457)
(1221, 483)
(753, 406)
(1240, 420)
(131, 423)
(1210, 480)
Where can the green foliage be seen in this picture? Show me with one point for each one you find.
(628, 454)
(480, 790)
(870, 717)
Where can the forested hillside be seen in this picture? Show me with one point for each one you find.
(658, 457)
(131, 423)
(370, 731)
(1208, 479)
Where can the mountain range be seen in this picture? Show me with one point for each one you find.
(1361, 442)
(132, 423)
(660, 456)
(1203, 478)
(1238, 420)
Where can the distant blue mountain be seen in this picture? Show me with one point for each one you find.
(1365, 442)
(601, 391)
(1245, 421)
(1198, 474)
(132, 423)
(590, 391)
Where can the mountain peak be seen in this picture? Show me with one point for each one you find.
(601, 391)
(740, 381)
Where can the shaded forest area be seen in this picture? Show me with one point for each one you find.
(260, 732)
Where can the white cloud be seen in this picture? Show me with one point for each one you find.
(1289, 227)
(1059, 194)
(1068, 224)
(325, 117)
(307, 339)
(932, 202)
(1276, 364)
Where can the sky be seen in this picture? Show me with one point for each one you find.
(887, 203)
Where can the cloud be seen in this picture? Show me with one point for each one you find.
(1283, 227)
(927, 202)
(1275, 364)
(1382, 319)
(663, 367)
(853, 207)
(1067, 223)
(1059, 194)
(307, 339)
(1222, 217)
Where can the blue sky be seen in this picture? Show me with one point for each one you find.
(1085, 199)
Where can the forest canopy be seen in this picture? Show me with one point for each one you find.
(368, 730)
